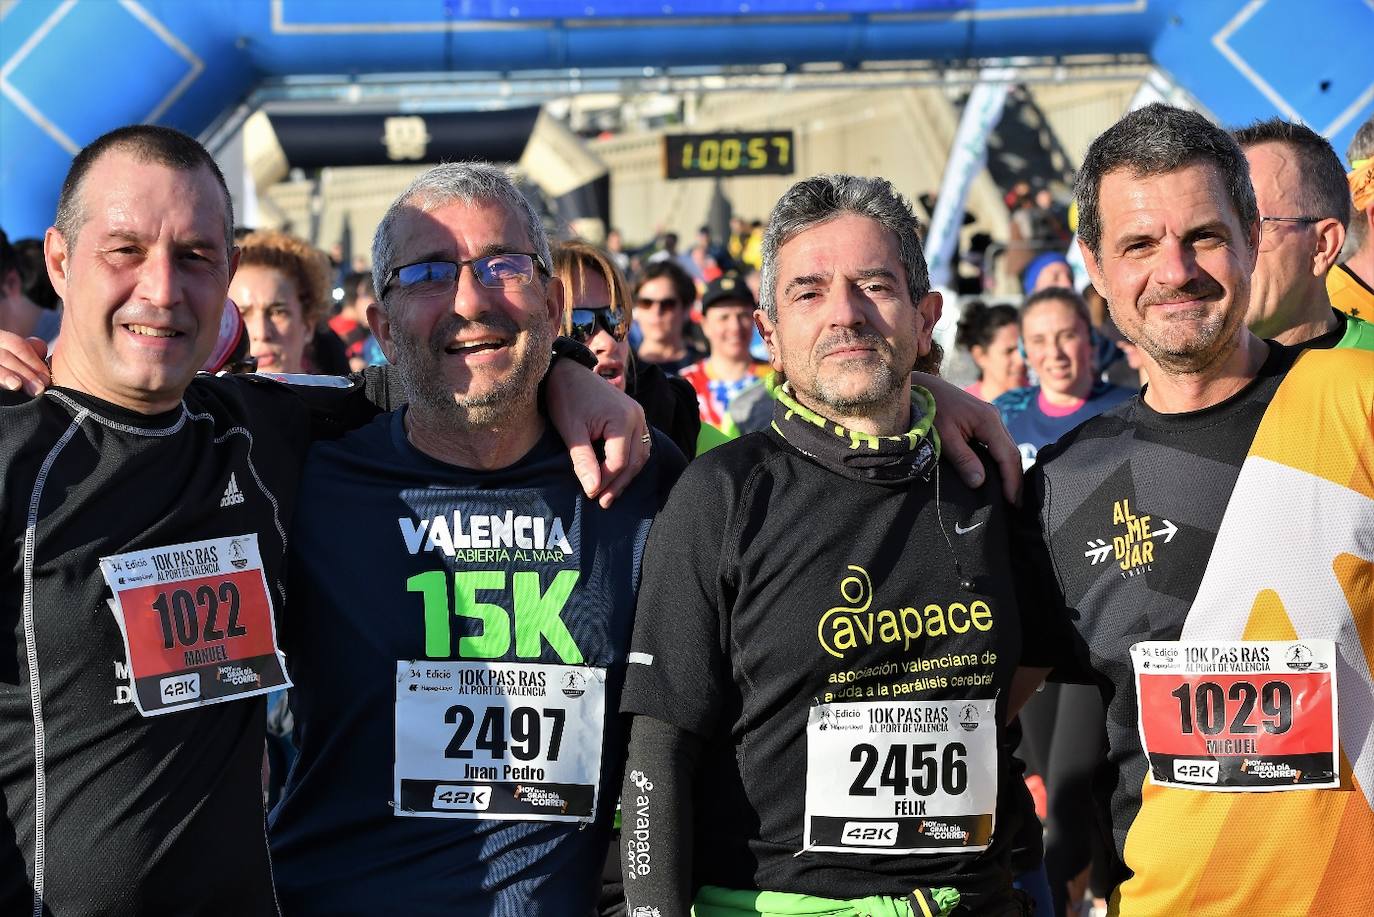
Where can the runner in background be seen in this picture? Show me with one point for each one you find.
(663, 298)
(1059, 344)
(992, 337)
(1304, 205)
(1351, 283)
(282, 288)
(727, 320)
(598, 314)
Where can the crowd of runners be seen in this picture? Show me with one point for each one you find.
(559, 614)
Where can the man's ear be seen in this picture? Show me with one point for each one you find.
(1330, 241)
(1090, 262)
(555, 297)
(929, 309)
(55, 258)
(769, 332)
(380, 323)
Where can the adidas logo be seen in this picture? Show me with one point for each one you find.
(232, 495)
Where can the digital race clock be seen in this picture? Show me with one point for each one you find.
(727, 154)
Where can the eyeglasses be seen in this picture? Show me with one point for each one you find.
(432, 279)
(1264, 221)
(668, 305)
(586, 320)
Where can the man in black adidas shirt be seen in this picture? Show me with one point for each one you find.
(144, 518)
(826, 634)
(458, 658)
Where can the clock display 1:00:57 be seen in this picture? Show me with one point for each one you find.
(694, 155)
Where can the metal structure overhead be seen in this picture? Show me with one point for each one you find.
(71, 69)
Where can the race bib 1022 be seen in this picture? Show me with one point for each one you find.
(197, 623)
(1254, 716)
(901, 776)
(498, 740)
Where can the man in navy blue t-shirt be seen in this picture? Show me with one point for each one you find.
(460, 611)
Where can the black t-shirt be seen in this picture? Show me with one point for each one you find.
(130, 815)
(773, 584)
(1237, 522)
(399, 557)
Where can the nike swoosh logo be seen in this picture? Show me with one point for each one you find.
(965, 531)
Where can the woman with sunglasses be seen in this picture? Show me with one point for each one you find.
(598, 314)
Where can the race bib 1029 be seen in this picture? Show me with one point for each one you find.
(197, 623)
(901, 776)
(498, 740)
(1255, 716)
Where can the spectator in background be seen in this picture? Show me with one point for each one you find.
(992, 336)
(700, 260)
(1049, 221)
(350, 323)
(19, 313)
(727, 320)
(1304, 205)
(37, 285)
(667, 250)
(662, 299)
(282, 289)
(1046, 270)
(598, 314)
(1059, 342)
(753, 248)
(615, 250)
(1351, 284)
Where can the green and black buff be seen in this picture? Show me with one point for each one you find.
(896, 459)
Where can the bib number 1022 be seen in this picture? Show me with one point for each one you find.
(181, 613)
(1207, 706)
(922, 772)
(523, 735)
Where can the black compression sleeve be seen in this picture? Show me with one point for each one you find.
(656, 817)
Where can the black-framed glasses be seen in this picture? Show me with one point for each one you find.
(425, 279)
(586, 320)
(1264, 221)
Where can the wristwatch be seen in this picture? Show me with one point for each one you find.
(567, 348)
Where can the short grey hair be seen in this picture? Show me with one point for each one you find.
(822, 198)
(455, 182)
(1322, 190)
(1155, 140)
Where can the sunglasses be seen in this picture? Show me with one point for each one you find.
(668, 305)
(426, 279)
(586, 320)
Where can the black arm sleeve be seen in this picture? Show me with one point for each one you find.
(656, 820)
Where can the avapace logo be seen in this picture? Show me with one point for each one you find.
(854, 624)
(1133, 542)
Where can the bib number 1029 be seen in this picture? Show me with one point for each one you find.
(918, 769)
(524, 735)
(1206, 708)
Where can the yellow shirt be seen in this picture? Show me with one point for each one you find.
(1349, 293)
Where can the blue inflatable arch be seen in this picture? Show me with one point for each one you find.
(71, 69)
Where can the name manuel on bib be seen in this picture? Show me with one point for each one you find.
(449, 534)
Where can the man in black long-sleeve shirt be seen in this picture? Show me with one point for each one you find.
(826, 636)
